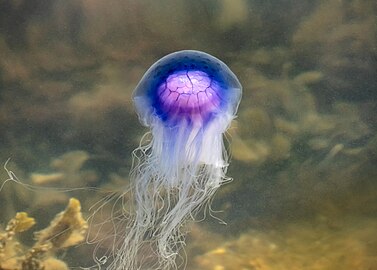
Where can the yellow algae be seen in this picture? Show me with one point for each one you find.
(298, 246)
(67, 170)
(66, 229)
(40, 179)
(219, 251)
(71, 161)
(219, 267)
(52, 263)
(21, 222)
(33, 258)
(309, 77)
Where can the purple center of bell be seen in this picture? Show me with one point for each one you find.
(189, 93)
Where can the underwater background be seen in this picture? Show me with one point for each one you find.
(303, 147)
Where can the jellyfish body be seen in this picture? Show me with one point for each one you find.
(187, 99)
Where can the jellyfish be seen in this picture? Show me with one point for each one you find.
(187, 99)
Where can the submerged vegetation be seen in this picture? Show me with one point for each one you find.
(67, 229)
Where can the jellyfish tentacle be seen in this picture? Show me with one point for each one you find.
(187, 99)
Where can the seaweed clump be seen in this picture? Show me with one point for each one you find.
(67, 229)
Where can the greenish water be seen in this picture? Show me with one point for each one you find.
(303, 147)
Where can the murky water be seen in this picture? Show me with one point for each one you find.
(303, 146)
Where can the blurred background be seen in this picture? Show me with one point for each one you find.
(303, 147)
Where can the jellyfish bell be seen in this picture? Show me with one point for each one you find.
(209, 82)
(187, 99)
